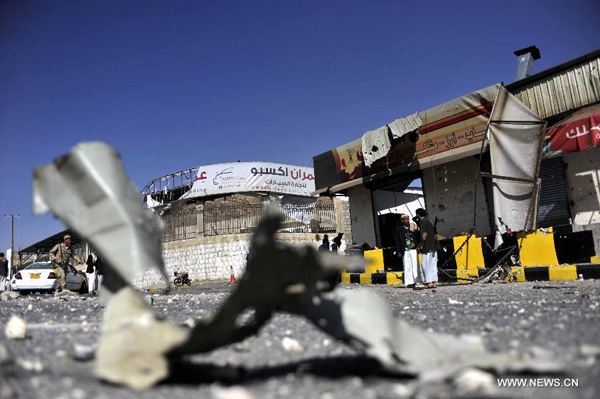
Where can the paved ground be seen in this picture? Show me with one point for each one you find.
(557, 319)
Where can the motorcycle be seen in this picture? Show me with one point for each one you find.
(181, 279)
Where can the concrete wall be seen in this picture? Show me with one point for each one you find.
(449, 195)
(583, 177)
(210, 258)
(361, 215)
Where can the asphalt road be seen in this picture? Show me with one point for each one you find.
(557, 320)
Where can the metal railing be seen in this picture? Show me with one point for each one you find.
(181, 226)
(221, 219)
(231, 219)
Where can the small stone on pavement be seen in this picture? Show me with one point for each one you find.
(235, 392)
(16, 328)
(291, 345)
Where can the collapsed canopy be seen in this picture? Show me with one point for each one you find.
(516, 137)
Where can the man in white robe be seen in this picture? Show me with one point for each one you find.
(405, 249)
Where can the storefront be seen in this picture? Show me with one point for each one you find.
(442, 149)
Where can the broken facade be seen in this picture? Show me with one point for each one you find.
(569, 199)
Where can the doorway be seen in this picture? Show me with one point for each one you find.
(402, 195)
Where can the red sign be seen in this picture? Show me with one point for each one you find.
(200, 176)
(578, 132)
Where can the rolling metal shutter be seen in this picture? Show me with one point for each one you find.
(554, 209)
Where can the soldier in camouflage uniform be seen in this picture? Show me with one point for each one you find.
(61, 254)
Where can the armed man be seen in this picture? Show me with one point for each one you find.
(61, 254)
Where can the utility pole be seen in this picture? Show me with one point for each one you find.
(12, 239)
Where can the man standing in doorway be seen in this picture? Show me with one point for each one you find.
(405, 249)
(3, 271)
(428, 248)
(61, 255)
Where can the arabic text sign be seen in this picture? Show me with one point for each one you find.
(227, 178)
(578, 132)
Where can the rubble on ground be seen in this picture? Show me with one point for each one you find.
(16, 328)
(137, 347)
(9, 295)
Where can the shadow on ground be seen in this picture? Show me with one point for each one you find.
(186, 372)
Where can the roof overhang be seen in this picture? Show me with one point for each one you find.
(339, 187)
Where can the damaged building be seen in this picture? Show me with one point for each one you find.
(139, 348)
(440, 149)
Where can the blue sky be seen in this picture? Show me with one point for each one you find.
(177, 84)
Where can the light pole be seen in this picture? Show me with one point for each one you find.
(12, 239)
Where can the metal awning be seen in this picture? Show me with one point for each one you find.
(320, 191)
(346, 185)
(339, 187)
(462, 152)
(46, 244)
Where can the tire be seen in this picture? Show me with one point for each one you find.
(178, 282)
(84, 289)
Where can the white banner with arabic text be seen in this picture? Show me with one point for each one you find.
(227, 178)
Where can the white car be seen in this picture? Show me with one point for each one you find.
(42, 276)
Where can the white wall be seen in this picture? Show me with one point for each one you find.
(583, 177)
(361, 215)
(210, 258)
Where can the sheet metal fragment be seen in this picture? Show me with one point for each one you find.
(363, 320)
(375, 144)
(301, 281)
(134, 342)
(90, 192)
(276, 276)
(403, 126)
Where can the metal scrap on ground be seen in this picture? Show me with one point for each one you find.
(89, 191)
(97, 201)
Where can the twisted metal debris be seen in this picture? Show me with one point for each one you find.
(89, 191)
